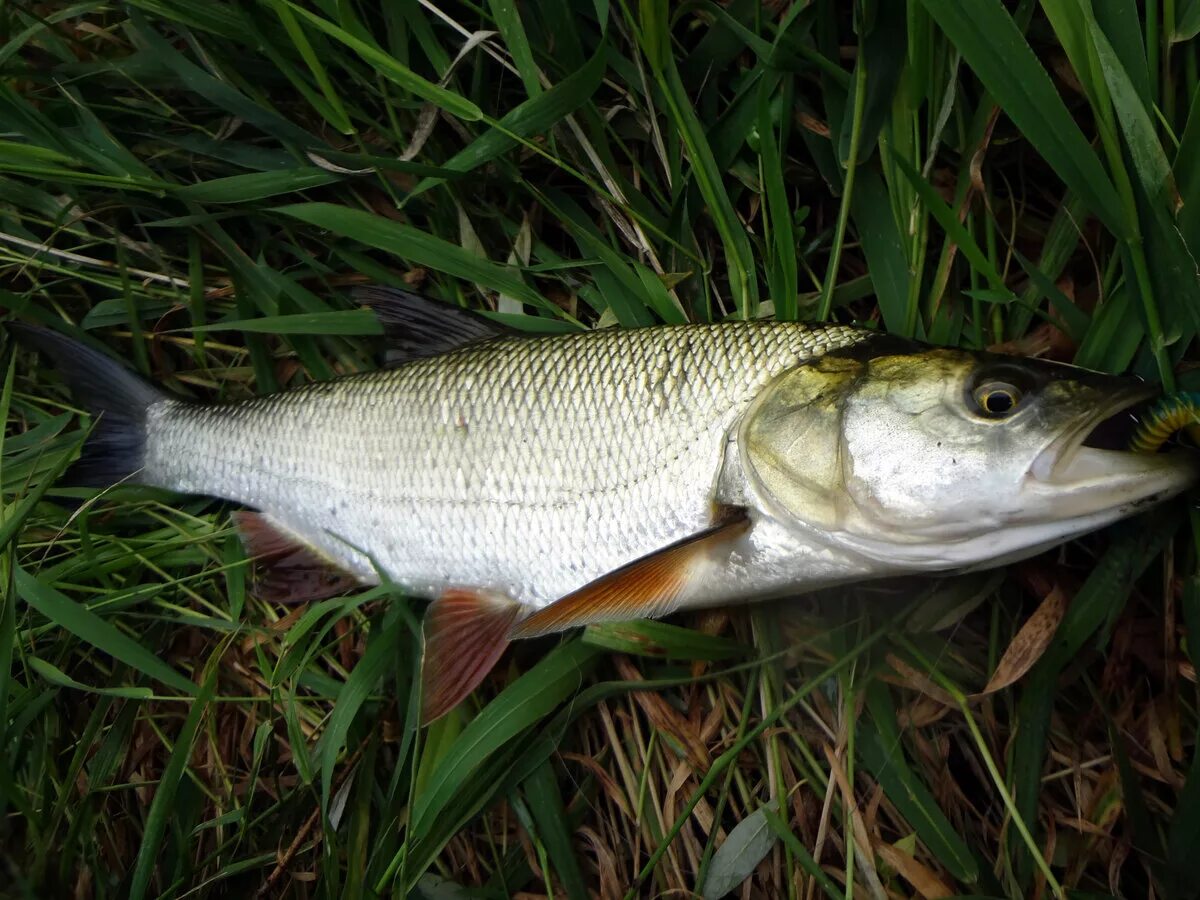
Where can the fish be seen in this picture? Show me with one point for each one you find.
(527, 485)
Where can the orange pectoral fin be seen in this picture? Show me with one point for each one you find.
(466, 632)
(647, 588)
(286, 569)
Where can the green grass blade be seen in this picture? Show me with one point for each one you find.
(879, 747)
(652, 638)
(420, 247)
(95, 631)
(1187, 22)
(883, 50)
(1149, 158)
(256, 185)
(377, 661)
(948, 219)
(342, 321)
(392, 69)
(1186, 170)
(521, 705)
(535, 116)
(508, 20)
(554, 829)
(13, 516)
(743, 279)
(218, 92)
(1116, 332)
(1075, 321)
(57, 677)
(1122, 25)
(781, 258)
(665, 305)
(336, 113)
(162, 806)
(883, 246)
(993, 46)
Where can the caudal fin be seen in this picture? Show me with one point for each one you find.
(116, 448)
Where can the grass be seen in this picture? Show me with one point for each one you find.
(195, 186)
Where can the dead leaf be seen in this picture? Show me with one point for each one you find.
(1187, 670)
(1029, 643)
(665, 718)
(1120, 853)
(866, 862)
(604, 778)
(813, 124)
(920, 876)
(918, 681)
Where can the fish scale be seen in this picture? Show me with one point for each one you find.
(528, 466)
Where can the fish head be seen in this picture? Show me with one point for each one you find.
(943, 459)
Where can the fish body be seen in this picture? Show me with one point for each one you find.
(525, 466)
(530, 484)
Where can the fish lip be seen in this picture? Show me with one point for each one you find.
(1055, 459)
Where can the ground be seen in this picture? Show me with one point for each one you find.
(196, 186)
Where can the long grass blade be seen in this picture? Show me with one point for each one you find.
(992, 45)
(94, 630)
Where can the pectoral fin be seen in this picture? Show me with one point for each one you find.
(466, 632)
(647, 588)
(287, 570)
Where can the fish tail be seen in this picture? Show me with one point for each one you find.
(120, 401)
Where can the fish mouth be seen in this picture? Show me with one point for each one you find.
(1094, 457)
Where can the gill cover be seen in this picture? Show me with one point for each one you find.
(791, 443)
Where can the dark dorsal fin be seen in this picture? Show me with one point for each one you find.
(417, 327)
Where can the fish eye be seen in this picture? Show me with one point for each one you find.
(996, 399)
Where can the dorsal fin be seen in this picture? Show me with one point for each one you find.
(417, 327)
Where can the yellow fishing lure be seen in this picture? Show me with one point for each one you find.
(1172, 413)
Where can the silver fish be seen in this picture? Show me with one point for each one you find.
(531, 484)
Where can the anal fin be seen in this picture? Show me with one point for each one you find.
(466, 632)
(286, 569)
(647, 588)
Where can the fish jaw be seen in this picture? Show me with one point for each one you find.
(1082, 481)
(1070, 489)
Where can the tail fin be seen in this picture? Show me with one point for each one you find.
(115, 450)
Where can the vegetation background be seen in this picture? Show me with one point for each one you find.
(195, 185)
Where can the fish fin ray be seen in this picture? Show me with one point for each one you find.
(417, 327)
(647, 588)
(287, 569)
(466, 632)
(117, 397)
